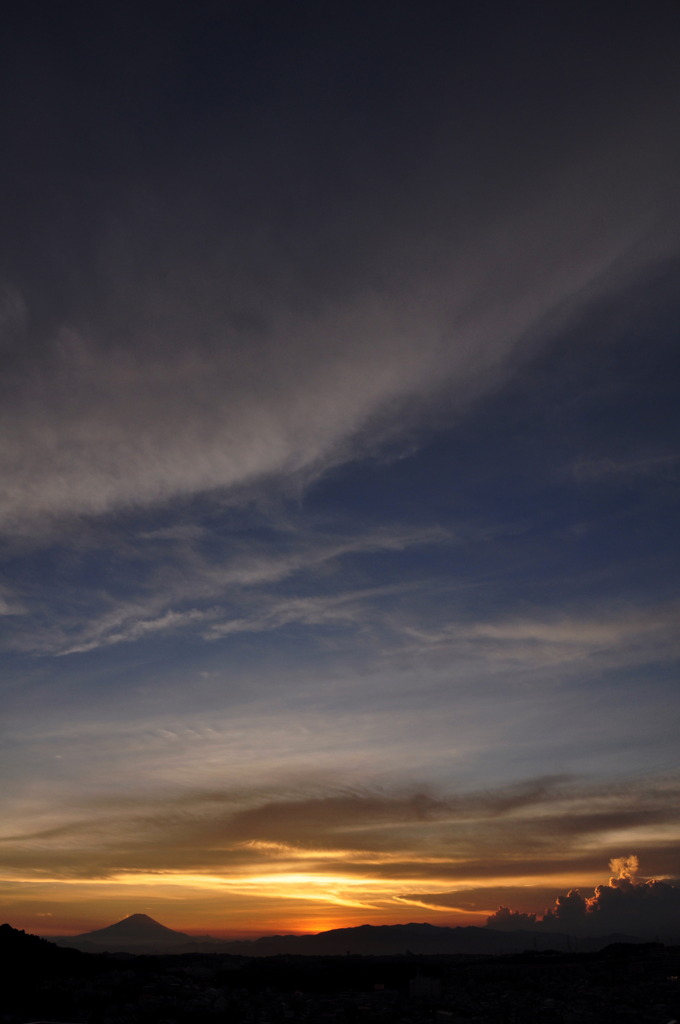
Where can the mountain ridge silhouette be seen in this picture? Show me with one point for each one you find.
(141, 934)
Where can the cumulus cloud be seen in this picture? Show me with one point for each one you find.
(627, 904)
(505, 919)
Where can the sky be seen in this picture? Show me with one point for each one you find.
(339, 461)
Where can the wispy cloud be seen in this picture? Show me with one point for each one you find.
(189, 589)
(10, 604)
(350, 609)
(169, 622)
(627, 469)
(611, 635)
(371, 836)
(193, 402)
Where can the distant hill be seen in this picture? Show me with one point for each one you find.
(141, 934)
(416, 939)
(17, 948)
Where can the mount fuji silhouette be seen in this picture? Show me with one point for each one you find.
(136, 933)
(136, 928)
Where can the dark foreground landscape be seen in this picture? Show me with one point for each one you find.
(622, 982)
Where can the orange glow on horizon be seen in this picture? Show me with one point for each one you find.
(264, 903)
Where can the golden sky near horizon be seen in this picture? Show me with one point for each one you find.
(230, 863)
